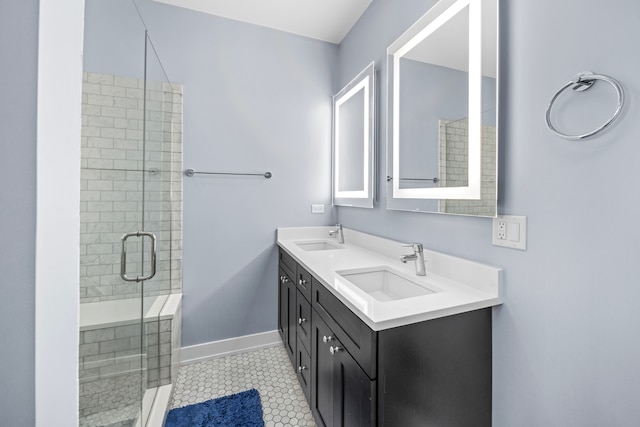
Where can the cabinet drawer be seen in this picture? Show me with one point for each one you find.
(285, 274)
(288, 263)
(303, 282)
(303, 370)
(303, 319)
(356, 337)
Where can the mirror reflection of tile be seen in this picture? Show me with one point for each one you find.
(454, 164)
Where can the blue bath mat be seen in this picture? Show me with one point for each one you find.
(237, 410)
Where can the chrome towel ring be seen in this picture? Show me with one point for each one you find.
(582, 82)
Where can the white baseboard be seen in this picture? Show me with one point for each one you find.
(215, 349)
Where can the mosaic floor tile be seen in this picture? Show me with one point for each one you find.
(111, 402)
(267, 370)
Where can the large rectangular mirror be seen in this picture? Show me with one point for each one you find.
(354, 141)
(442, 115)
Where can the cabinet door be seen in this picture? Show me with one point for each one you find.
(287, 314)
(353, 393)
(303, 317)
(303, 368)
(437, 373)
(282, 306)
(321, 372)
(342, 395)
(293, 322)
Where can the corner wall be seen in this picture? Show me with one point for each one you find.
(19, 53)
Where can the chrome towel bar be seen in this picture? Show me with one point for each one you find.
(434, 180)
(191, 172)
(580, 83)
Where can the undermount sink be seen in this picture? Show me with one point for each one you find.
(318, 245)
(381, 283)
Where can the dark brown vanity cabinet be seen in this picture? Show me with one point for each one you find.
(430, 373)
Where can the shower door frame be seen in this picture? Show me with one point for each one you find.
(153, 175)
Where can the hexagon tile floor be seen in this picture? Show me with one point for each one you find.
(267, 370)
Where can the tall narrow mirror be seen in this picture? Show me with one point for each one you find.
(353, 141)
(442, 141)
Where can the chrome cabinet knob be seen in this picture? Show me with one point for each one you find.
(302, 282)
(284, 279)
(301, 320)
(334, 350)
(326, 339)
(301, 368)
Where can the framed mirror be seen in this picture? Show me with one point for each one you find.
(442, 116)
(354, 142)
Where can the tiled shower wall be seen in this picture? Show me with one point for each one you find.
(454, 158)
(111, 361)
(117, 169)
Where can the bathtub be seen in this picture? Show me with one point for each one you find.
(110, 361)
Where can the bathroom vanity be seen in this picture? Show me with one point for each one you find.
(375, 345)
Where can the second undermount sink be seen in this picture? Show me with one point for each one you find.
(383, 284)
(318, 245)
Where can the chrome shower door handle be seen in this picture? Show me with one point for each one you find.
(123, 257)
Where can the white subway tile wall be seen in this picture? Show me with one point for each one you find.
(111, 359)
(118, 167)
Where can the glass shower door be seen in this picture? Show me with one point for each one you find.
(116, 253)
(159, 212)
(126, 242)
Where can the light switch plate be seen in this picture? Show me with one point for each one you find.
(510, 231)
(317, 209)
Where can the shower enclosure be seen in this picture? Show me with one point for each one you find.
(131, 224)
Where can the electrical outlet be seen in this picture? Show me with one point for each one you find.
(510, 231)
(317, 209)
(502, 230)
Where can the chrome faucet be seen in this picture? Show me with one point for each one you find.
(417, 256)
(339, 232)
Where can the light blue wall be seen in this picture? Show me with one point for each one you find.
(113, 38)
(566, 344)
(18, 74)
(255, 100)
(566, 341)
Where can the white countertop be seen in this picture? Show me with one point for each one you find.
(460, 285)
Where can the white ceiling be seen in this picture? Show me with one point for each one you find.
(328, 20)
